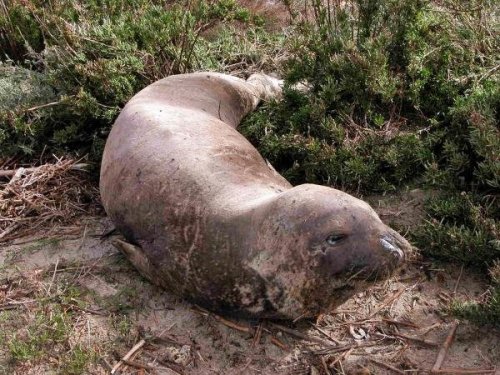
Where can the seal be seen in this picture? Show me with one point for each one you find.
(210, 220)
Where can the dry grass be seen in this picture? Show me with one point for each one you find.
(49, 196)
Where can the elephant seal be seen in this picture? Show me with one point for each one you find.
(214, 223)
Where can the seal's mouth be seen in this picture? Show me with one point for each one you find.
(380, 263)
(390, 244)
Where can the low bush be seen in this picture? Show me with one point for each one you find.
(94, 55)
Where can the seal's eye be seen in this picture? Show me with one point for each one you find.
(334, 238)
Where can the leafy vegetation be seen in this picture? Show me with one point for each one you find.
(379, 94)
(93, 56)
(49, 332)
(42, 333)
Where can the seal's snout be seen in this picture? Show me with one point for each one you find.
(393, 245)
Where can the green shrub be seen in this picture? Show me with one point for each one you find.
(96, 54)
(400, 86)
(487, 310)
(463, 228)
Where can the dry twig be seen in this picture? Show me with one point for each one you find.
(387, 301)
(444, 348)
(138, 365)
(43, 196)
(400, 323)
(387, 366)
(416, 339)
(458, 280)
(458, 371)
(127, 356)
(278, 343)
(325, 366)
(341, 357)
(299, 335)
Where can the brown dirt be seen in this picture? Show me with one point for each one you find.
(274, 12)
(115, 308)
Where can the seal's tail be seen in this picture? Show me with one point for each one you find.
(265, 86)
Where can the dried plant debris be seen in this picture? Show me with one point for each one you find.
(45, 199)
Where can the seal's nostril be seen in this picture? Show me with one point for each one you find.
(389, 244)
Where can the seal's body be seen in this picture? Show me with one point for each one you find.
(215, 223)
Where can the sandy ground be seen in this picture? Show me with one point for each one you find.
(108, 308)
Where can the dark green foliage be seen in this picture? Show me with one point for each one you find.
(396, 88)
(19, 32)
(461, 227)
(96, 54)
(305, 144)
(464, 228)
(488, 310)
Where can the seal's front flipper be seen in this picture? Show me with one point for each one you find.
(136, 256)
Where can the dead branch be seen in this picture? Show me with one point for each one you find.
(445, 347)
(278, 343)
(457, 371)
(341, 357)
(387, 366)
(12, 172)
(127, 356)
(300, 335)
(325, 366)
(416, 339)
(324, 333)
(387, 302)
(400, 323)
(138, 365)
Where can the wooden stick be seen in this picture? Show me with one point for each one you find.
(299, 335)
(227, 323)
(9, 229)
(43, 106)
(387, 366)
(430, 328)
(341, 357)
(458, 280)
(325, 366)
(416, 339)
(230, 324)
(127, 356)
(138, 365)
(53, 277)
(174, 367)
(257, 335)
(396, 322)
(444, 348)
(16, 304)
(278, 343)
(88, 311)
(337, 349)
(386, 302)
(452, 370)
(325, 334)
(12, 172)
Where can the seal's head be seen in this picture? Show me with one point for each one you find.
(315, 244)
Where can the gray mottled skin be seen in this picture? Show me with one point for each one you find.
(215, 223)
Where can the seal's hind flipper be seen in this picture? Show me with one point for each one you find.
(136, 256)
